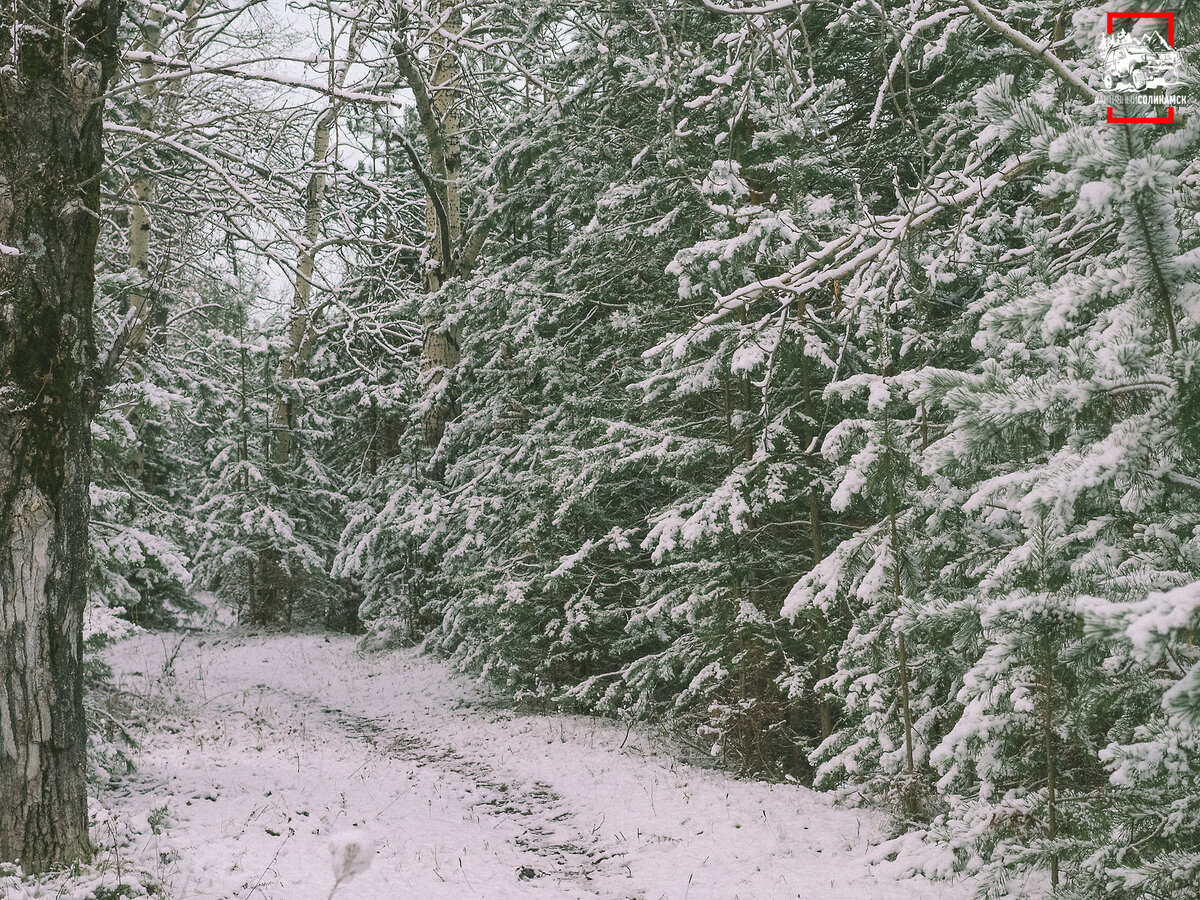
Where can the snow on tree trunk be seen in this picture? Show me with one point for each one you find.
(50, 158)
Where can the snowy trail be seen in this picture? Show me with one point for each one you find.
(564, 851)
(270, 744)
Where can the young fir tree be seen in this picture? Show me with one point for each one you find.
(265, 529)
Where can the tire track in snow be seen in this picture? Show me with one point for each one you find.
(462, 782)
(549, 828)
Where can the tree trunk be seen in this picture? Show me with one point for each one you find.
(283, 416)
(897, 590)
(437, 101)
(440, 347)
(1051, 769)
(50, 157)
(143, 183)
(140, 230)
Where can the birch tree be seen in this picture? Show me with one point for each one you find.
(437, 89)
(299, 327)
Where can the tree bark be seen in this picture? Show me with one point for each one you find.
(814, 526)
(1051, 769)
(55, 62)
(143, 183)
(897, 591)
(437, 101)
(140, 230)
(300, 324)
(440, 347)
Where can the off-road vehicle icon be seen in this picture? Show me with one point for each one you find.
(1142, 63)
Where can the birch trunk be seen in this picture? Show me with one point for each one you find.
(143, 184)
(283, 416)
(440, 345)
(437, 100)
(140, 225)
(50, 158)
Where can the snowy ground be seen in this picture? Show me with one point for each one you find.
(266, 746)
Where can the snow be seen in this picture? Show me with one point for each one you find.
(1160, 614)
(273, 753)
(879, 396)
(1096, 198)
(822, 206)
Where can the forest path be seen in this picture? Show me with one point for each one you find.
(266, 745)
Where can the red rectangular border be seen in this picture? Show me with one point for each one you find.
(1169, 118)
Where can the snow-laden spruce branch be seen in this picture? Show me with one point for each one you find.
(1182, 481)
(850, 253)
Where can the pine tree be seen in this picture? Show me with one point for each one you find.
(1071, 445)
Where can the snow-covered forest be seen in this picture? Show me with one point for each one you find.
(741, 398)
